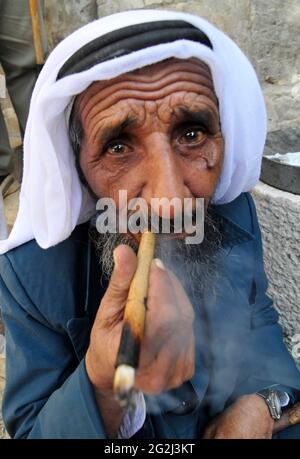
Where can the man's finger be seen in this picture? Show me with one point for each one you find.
(117, 291)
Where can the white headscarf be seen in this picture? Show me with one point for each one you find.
(52, 199)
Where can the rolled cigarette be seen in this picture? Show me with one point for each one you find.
(290, 417)
(134, 322)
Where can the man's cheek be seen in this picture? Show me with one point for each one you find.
(202, 184)
(103, 182)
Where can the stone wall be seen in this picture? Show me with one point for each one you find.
(279, 215)
(268, 31)
(62, 18)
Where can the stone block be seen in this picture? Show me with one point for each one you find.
(62, 18)
(279, 216)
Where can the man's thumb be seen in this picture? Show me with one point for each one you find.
(124, 269)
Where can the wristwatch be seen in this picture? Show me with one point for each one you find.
(276, 400)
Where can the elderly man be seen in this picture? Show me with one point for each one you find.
(162, 105)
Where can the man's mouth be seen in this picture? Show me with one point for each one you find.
(136, 237)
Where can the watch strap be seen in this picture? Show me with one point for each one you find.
(273, 402)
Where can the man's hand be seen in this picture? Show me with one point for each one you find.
(247, 418)
(167, 350)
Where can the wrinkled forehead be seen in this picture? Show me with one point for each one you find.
(170, 65)
(177, 73)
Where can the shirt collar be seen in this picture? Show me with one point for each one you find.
(232, 233)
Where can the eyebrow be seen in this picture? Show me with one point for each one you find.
(114, 131)
(204, 117)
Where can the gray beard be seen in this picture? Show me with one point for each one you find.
(195, 265)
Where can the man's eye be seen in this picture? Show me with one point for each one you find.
(115, 148)
(192, 135)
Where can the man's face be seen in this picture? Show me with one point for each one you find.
(154, 132)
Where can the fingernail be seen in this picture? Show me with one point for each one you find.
(159, 263)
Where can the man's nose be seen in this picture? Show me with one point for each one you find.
(165, 177)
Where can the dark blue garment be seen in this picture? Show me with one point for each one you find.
(49, 299)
